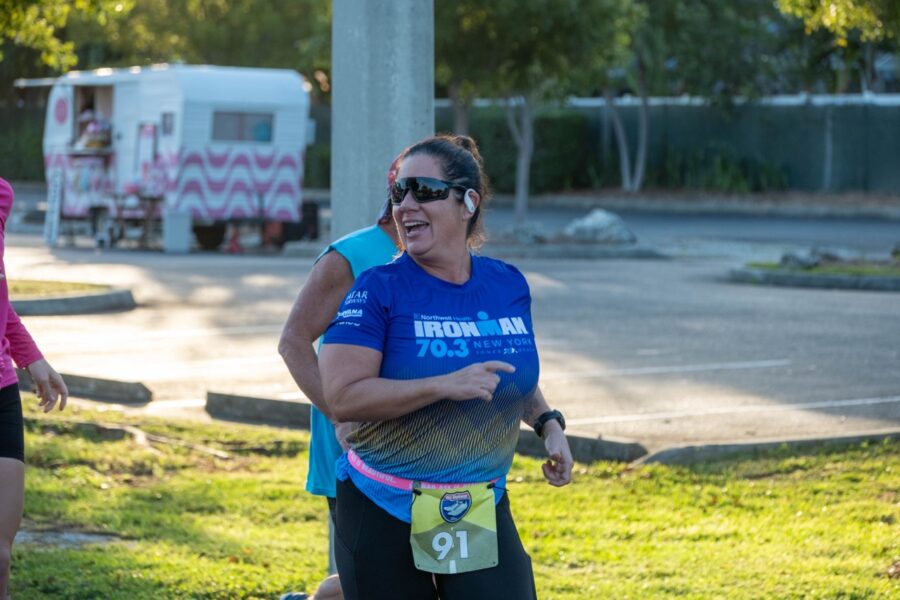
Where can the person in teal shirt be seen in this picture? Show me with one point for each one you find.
(335, 270)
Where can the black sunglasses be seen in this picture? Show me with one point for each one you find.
(424, 189)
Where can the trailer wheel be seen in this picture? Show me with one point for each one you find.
(210, 237)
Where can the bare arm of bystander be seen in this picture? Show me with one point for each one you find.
(314, 308)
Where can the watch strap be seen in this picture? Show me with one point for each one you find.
(545, 418)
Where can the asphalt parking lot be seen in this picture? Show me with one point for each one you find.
(664, 352)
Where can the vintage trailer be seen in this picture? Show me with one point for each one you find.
(200, 146)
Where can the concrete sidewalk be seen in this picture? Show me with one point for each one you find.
(30, 194)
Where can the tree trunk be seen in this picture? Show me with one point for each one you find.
(621, 140)
(828, 151)
(521, 125)
(460, 110)
(640, 161)
(865, 71)
(606, 136)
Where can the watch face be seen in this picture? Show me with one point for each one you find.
(546, 417)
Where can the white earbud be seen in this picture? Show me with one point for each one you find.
(467, 200)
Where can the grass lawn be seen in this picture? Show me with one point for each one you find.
(22, 289)
(853, 269)
(193, 525)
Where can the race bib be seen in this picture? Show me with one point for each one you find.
(454, 530)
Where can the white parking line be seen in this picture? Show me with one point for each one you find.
(728, 410)
(754, 364)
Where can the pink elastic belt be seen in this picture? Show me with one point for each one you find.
(399, 483)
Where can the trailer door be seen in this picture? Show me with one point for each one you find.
(126, 117)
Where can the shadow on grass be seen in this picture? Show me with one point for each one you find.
(140, 572)
(96, 432)
(82, 574)
(786, 458)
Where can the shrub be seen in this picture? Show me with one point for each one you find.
(317, 171)
(21, 145)
(561, 159)
(716, 167)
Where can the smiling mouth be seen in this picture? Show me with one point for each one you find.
(414, 226)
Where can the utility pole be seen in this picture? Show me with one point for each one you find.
(382, 100)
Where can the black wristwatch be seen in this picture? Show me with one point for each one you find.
(548, 416)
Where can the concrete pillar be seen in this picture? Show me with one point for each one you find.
(382, 99)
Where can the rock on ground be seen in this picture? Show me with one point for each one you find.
(600, 226)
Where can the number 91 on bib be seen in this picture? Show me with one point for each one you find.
(454, 530)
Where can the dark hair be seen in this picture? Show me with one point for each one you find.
(462, 164)
(387, 215)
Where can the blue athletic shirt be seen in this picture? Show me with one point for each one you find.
(363, 249)
(425, 326)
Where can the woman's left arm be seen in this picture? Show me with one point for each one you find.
(558, 468)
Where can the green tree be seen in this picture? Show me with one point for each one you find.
(698, 47)
(460, 29)
(528, 54)
(856, 27)
(37, 24)
(855, 32)
(873, 19)
(293, 34)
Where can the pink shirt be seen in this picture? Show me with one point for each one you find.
(17, 344)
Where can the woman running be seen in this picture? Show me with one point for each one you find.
(433, 356)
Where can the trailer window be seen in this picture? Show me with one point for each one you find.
(168, 123)
(242, 127)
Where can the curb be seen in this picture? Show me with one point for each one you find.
(113, 300)
(292, 413)
(93, 388)
(264, 411)
(296, 414)
(584, 449)
(795, 279)
(692, 454)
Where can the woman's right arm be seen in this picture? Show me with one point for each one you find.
(355, 392)
(48, 384)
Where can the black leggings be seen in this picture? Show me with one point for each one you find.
(12, 433)
(375, 559)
